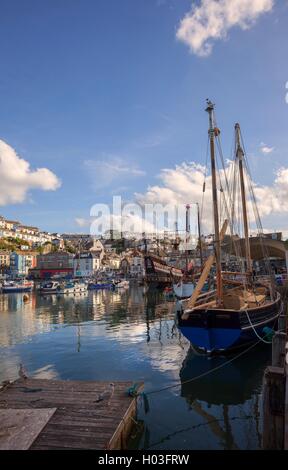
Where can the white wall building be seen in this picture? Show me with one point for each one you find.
(86, 264)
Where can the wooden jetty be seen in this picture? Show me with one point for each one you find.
(52, 414)
(275, 391)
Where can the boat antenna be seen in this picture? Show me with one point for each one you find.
(187, 233)
(199, 234)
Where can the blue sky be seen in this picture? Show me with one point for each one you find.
(104, 95)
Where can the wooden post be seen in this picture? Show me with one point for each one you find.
(278, 349)
(286, 400)
(282, 322)
(273, 408)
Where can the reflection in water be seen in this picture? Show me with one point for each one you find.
(236, 383)
(131, 335)
(233, 384)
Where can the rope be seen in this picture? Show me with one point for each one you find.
(197, 377)
(195, 426)
(267, 334)
(259, 337)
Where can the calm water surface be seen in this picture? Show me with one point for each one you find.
(131, 335)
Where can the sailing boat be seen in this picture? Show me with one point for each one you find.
(158, 273)
(241, 310)
(185, 287)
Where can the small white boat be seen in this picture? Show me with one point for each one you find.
(121, 284)
(183, 290)
(50, 287)
(74, 287)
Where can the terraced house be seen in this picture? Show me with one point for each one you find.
(22, 261)
(4, 261)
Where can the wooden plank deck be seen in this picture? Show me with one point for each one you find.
(286, 400)
(80, 420)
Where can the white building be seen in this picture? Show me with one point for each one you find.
(86, 264)
(133, 264)
(45, 237)
(29, 234)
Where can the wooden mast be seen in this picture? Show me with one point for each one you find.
(239, 156)
(217, 242)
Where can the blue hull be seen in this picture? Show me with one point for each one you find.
(99, 286)
(16, 290)
(218, 331)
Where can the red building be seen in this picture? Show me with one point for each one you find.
(51, 264)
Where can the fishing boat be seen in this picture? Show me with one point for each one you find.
(242, 310)
(50, 287)
(17, 286)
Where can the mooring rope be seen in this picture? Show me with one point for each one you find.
(252, 326)
(197, 377)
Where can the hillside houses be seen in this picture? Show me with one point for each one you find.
(12, 229)
(21, 262)
(86, 264)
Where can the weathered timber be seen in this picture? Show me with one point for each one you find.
(278, 349)
(286, 400)
(282, 322)
(20, 428)
(87, 415)
(274, 409)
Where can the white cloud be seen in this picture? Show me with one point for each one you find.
(110, 169)
(81, 222)
(17, 178)
(274, 199)
(212, 19)
(184, 184)
(265, 149)
(180, 186)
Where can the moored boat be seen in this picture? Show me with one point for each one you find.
(242, 310)
(185, 287)
(121, 283)
(17, 286)
(158, 273)
(98, 285)
(50, 287)
(183, 290)
(73, 287)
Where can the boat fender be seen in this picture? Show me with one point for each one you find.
(268, 332)
(25, 298)
(133, 392)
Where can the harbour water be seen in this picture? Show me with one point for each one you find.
(131, 335)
